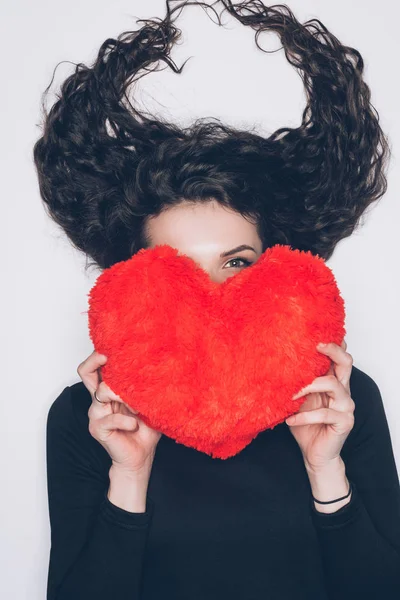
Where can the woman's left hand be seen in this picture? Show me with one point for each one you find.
(326, 417)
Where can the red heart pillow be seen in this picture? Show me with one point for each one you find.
(207, 364)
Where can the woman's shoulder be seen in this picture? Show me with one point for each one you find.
(71, 406)
(68, 424)
(364, 391)
(360, 380)
(369, 411)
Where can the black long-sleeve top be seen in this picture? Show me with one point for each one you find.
(242, 528)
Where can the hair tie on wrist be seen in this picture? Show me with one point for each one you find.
(337, 499)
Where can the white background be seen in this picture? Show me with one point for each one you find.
(44, 327)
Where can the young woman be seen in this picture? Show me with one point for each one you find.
(310, 509)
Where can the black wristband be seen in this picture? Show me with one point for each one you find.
(337, 499)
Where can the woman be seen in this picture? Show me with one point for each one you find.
(311, 508)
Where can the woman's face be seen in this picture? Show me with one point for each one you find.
(208, 233)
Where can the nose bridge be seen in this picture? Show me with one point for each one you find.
(211, 273)
(215, 278)
(206, 265)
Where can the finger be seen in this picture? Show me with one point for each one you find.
(101, 407)
(343, 361)
(341, 421)
(88, 370)
(108, 395)
(101, 403)
(330, 385)
(101, 428)
(331, 370)
(326, 383)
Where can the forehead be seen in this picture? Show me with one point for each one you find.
(188, 225)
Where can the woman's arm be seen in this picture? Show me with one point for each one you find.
(360, 542)
(97, 547)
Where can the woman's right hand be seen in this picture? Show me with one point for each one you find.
(130, 443)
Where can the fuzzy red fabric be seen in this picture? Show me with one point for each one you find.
(211, 365)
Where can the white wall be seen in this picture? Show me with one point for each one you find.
(44, 295)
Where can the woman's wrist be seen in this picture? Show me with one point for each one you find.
(329, 483)
(128, 490)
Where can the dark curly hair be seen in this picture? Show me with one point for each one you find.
(104, 167)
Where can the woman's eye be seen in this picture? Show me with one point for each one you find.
(243, 260)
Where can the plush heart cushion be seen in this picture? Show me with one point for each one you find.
(211, 365)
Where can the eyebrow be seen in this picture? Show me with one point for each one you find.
(237, 249)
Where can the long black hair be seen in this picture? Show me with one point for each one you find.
(104, 167)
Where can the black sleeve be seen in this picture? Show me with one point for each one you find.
(97, 548)
(360, 542)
